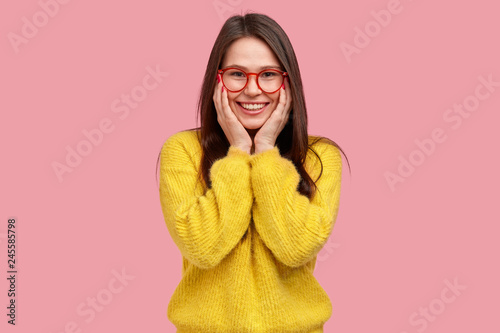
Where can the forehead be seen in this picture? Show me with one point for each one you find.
(251, 53)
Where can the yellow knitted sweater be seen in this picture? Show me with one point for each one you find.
(248, 244)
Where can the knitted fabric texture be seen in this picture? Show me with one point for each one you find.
(249, 243)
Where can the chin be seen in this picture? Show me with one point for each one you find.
(253, 125)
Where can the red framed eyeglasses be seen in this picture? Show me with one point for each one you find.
(235, 79)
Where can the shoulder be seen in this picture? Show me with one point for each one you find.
(322, 153)
(323, 147)
(187, 139)
(182, 149)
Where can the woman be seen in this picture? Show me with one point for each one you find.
(249, 198)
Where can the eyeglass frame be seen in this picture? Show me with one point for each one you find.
(221, 72)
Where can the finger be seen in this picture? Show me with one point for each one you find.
(288, 91)
(224, 99)
(288, 102)
(228, 112)
(215, 93)
(278, 113)
(284, 104)
(217, 100)
(280, 109)
(278, 116)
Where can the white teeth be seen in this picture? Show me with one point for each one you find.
(253, 106)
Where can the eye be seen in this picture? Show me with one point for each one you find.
(236, 73)
(269, 75)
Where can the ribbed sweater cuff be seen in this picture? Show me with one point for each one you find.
(237, 152)
(271, 153)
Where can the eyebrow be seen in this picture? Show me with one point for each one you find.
(261, 68)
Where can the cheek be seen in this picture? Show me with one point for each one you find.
(230, 100)
(276, 97)
(275, 103)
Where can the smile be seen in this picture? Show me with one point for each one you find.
(252, 109)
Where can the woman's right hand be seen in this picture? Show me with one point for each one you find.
(235, 133)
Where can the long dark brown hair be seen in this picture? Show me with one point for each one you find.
(292, 142)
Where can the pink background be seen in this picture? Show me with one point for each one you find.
(392, 249)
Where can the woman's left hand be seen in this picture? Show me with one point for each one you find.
(265, 138)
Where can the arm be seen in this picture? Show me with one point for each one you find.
(205, 226)
(293, 227)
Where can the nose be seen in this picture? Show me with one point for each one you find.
(252, 89)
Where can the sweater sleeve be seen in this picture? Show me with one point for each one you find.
(205, 225)
(293, 227)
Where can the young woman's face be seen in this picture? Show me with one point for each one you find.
(251, 55)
